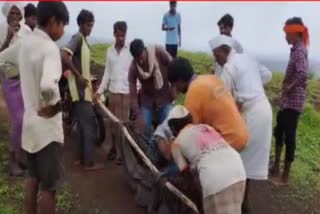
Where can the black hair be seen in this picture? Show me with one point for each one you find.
(121, 26)
(47, 10)
(294, 20)
(226, 20)
(180, 69)
(173, 3)
(30, 10)
(176, 125)
(136, 47)
(85, 16)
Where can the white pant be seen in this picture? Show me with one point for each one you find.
(255, 157)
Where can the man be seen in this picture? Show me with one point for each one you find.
(225, 25)
(209, 102)
(221, 172)
(42, 135)
(292, 97)
(30, 17)
(150, 67)
(243, 77)
(171, 23)
(115, 80)
(76, 58)
(11, 86)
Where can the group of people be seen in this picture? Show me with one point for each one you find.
(223, 131)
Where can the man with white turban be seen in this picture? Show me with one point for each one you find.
(244, 78)
(9, 74)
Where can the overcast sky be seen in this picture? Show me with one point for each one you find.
(258, 26)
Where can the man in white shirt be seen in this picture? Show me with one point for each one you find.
(244, 78)
(115, 80)
(42, 134)
(30, 17)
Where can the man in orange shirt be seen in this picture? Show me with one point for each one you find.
(209, 102)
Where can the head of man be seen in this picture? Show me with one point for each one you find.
(12, 11)
(296, 31)
(52, 17)
(30, 15)
(225, 25)
(178, 118)
(221, 47)
(120, 33)
(139, 52)
(180, 73)
(173, 7)
(85, 22)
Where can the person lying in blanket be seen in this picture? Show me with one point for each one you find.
(160, 148)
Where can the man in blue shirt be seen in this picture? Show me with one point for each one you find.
(172, 25)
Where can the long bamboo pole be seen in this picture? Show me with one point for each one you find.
(146, 160)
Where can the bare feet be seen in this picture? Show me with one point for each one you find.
(94, 167)
(279, 181)
(274, 171)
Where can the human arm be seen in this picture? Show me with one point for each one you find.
(49, 83)
(179, 30)
(265, 74)
(66, 55)
(105, 79)
(165, 26)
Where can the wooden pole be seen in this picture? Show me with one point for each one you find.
(146, 160)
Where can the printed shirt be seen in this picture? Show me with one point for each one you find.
(209, 102)
(170, 20)
(39, 76)
(219, 166)
(295, 81)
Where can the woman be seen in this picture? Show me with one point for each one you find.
(221, 172)
(11, 83)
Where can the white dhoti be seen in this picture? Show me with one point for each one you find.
(255, 157)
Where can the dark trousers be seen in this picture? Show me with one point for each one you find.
(87, 131)
(172, 50)
(285, 131)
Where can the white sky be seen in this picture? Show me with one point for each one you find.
(258, 26)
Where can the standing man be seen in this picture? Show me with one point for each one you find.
(10, 81)
(30, 17)
(115, 80)
(225, 25)
(292, 97)
(76, 58)
(172, 25)
(150, 67)
(243, 77)
(42, 134)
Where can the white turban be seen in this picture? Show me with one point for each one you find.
(221, 40)
(8, 5)
(178, 112)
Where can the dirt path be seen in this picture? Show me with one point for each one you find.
(103, 192)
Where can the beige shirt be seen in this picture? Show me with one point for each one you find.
(40, 68)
